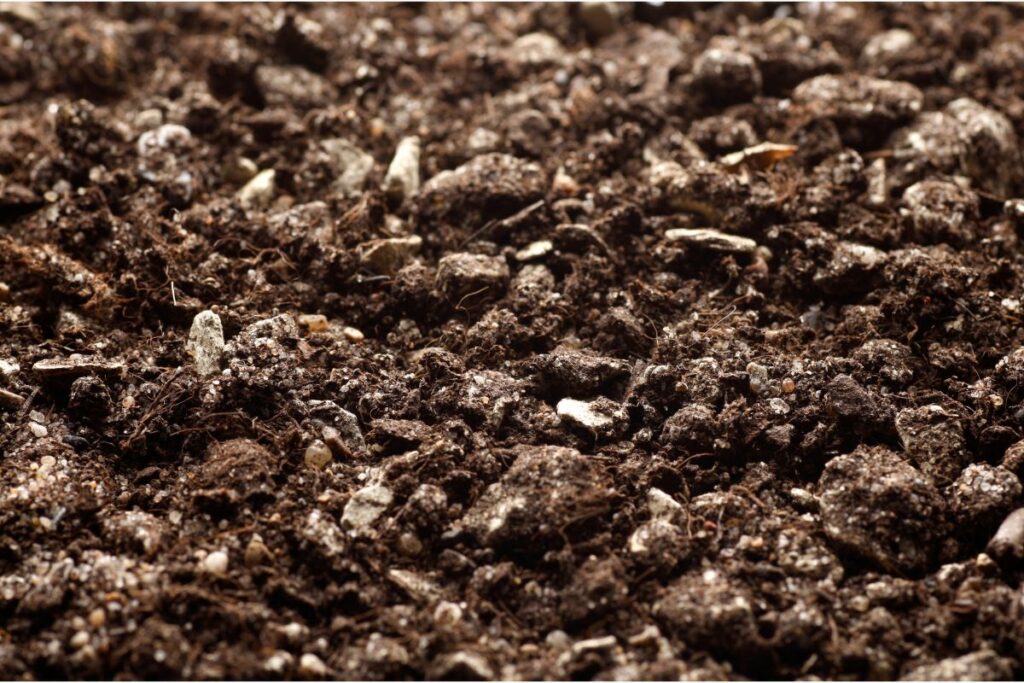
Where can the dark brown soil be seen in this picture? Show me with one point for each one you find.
(587, 385)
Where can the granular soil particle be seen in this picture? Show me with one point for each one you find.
(494, 341)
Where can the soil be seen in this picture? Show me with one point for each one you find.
(491, 341)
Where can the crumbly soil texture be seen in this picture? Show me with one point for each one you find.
(528, 342)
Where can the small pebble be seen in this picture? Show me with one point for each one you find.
(662, 505)
(482, 141)
(711, 239)
(206, 342)
(535, 250)
(1008, 541)
(240, 170)
(97, 618)
(365, 506)
(38, 430)
(352, 334)
(758, 375)
(409, 544)
(313, 323)
(351, 164)
(311, 665)
(260, 190)
(317, 455)
(216, 563)
(583, 414)
(278, 662)
(79, 640)
(256, 552)
(600, 18)
(403, 177)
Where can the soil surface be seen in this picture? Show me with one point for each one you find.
(465, 341)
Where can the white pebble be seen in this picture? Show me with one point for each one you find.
(278, 662)
(311, 665)
(216, 562)
(583, 414)
(206, 342)
(403, 178)
(260, 190)
(365, 506)
(662, 505)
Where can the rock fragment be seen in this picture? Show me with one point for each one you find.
(312, 666)
(877, 506)
(535, 250)
(714, 240)
(402, 181)
(352, 166)
(259, 191)
(339, 429)
(239, 170)
(659, 542)
(365, 506)
(602, 417)
(76, 365)
(887, 47)
(762, 156)
(206, 342)
(1008, 541)
(216, 563)
(662, 506)
(317, 455)
(600, 18)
